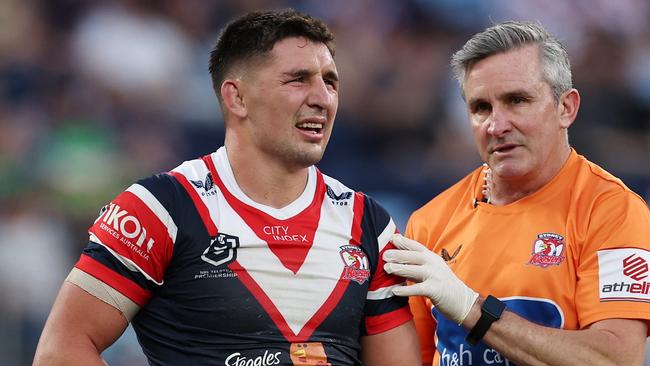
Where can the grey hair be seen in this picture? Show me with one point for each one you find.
(506, 36)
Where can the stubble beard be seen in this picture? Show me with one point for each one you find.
(298, 157)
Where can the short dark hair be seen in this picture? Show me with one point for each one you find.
(255, 34)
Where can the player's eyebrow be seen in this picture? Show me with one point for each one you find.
(297, 73)
(521, 93)
(329, 75)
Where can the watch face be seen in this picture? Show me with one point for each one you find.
(491, 311)
(493, 306)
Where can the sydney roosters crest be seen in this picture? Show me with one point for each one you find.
(356, 264)
(547, 250)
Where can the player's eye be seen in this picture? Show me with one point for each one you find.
(481, 107)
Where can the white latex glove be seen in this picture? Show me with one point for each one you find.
(449, 295)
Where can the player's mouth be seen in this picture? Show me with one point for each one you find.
(312, 128)
(503, 149)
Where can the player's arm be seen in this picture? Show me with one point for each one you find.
(390, 337)
(395, 347)
(606, 342)
(79, 328)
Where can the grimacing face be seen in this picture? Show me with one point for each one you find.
(291, 100)
(518, 126)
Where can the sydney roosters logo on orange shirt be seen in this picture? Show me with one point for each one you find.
(547, 250)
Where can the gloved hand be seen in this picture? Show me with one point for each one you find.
(449, 295)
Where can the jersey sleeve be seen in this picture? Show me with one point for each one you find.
(383, 310)
(131, 242)
(425, 323)
(613, 270)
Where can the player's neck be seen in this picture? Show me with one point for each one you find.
(264, 180)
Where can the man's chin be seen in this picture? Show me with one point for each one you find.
(308, 158)
(508, 170)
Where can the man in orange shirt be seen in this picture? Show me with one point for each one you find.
(540, 257)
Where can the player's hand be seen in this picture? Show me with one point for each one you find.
(435, 279)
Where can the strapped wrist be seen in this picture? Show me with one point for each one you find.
(491, 311)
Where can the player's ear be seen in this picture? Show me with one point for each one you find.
(233, 98)
(568, 107)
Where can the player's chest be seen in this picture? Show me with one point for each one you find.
(292, 274)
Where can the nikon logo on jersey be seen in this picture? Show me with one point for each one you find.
(621, 274)
(126, 228)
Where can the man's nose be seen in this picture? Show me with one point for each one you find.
(499, 122)
(320, 95)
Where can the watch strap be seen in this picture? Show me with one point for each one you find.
(491, 311)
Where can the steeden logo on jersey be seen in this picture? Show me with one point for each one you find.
(547, 250)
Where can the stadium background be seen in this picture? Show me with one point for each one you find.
(95, 94)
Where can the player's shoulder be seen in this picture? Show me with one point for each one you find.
(337, 191)
(161, 185)
(195, 171)
(599, 184)
(166, 186)
(335, 186)
(372, 212)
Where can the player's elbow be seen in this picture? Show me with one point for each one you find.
(50, 353)
(48, 356)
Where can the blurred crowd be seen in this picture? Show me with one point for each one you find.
(96, 94)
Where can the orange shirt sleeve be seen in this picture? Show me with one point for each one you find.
(619, 227)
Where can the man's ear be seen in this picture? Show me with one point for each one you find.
(233, 99)
(568, 107)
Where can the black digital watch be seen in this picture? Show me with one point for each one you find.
(491, 311)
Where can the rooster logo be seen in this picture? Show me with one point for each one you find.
(548, 247)
(356, 264)
(547, 250)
